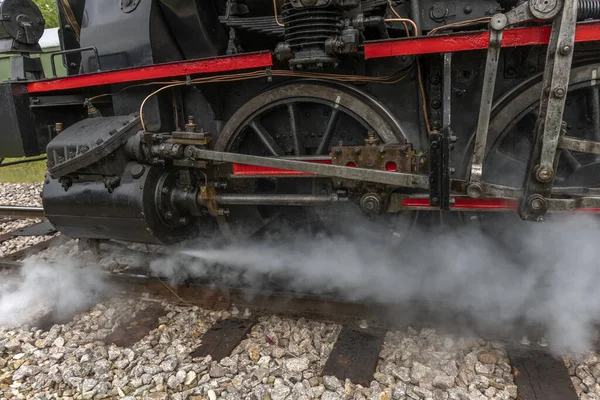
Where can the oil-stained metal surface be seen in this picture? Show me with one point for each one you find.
(136, 328)
(354, 356)
(540, 376)
(222, 338)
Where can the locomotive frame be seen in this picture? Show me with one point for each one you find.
(392, 175)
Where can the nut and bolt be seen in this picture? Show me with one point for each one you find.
(537, 204)
(544, 174)
(559, 92)
(169, 215)
(565, 50)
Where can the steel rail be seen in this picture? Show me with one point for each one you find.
(21, 212)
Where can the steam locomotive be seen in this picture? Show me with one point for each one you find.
(187, 118)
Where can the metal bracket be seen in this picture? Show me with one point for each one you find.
(72, 51)
(439, 147)
(541, 169)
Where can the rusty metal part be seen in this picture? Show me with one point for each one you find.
(540, 375)
(21, 212)
(206, 198)
(191, 137)
(354, 356)
(191, 125)
(386, 157)
(222, 337)
(137, 327)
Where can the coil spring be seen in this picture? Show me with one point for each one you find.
(588, 9)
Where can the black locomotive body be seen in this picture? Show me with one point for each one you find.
(194, 118)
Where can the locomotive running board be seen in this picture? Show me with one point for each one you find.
(156, 71)
(516, 37)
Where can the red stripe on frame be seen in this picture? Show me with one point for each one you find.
(152, 72)
(466, 203)
(536, 35)
(254, 170)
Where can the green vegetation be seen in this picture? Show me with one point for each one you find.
(48, 9)
(29, 172)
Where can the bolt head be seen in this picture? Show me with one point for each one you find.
(537, 204)
(544, 174)
(565, 50)
(559, 92)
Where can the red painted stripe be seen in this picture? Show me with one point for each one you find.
(536, 35)
(466, 203)
(254, 170)
(153, 72)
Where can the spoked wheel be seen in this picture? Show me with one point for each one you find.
(298, 119)
(511, 134)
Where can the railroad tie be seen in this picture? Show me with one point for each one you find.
(540, 376)
(135, 329)
(222, 337)
(354, 356)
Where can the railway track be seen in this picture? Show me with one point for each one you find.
(536, 373)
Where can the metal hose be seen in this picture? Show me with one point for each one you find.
(588, 9)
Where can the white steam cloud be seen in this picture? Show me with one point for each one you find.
(537, 274)
(61, 288)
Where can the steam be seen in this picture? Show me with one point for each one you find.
(61, 288)
(536, 274)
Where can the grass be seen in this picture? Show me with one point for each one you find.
(29, 172)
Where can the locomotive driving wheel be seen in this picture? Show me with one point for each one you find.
(511, 135)
(295, 120)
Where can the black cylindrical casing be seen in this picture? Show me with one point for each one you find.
(88, 210)
(21, 20)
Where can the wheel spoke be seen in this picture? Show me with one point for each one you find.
(298, 145)
(594, 98)
(266, 138)
(329, 130)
